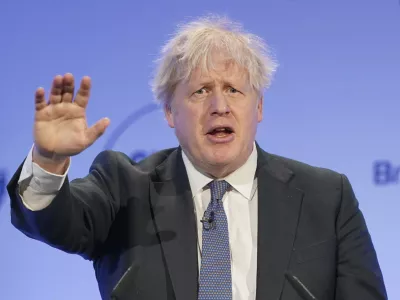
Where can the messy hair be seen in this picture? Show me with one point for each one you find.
(192, 47)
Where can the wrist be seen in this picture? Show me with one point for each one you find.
(51, 163)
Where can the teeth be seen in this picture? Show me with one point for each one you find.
(221, 130)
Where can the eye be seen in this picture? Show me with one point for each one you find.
(233, 90)
(200, 91)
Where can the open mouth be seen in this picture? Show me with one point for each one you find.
(220, 131)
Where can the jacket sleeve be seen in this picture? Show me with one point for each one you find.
(78, 219)
(358, 271)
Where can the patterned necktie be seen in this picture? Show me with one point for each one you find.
(215, 281)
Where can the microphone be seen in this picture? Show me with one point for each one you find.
(208, 222)
(121, 287)
(303, 291)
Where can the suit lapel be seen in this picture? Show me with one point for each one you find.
(279, 207)
(278, 213)
(173, 209)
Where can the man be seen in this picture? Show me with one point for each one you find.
(215, 218)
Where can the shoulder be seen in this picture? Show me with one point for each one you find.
(120, 160)
(306, 176)
(323, 188)
(301, 168)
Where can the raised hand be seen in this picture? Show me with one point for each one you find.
(60, 127)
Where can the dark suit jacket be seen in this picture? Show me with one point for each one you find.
(141, 215)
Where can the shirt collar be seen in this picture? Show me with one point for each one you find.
(241, 180)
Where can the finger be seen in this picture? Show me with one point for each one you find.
(97, 130)
(82, 96)
(56, 90)
(68, 88)
(40, 101)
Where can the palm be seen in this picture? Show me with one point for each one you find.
(60, 128)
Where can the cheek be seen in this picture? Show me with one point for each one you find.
(247, 118)
(188, 122)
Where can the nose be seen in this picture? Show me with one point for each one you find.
(219, 104)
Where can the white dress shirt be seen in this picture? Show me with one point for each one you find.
(39, 187)
(240, 205)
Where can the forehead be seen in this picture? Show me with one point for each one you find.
(219, 69)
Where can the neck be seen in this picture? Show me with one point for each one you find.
(218, 171)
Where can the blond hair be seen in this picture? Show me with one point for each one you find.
(192, 46)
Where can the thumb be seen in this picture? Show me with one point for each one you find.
(96, 130)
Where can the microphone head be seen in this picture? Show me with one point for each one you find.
(303, 291)
(208, 222)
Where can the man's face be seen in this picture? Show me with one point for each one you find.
(215, 117)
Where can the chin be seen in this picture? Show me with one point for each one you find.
(222, 157)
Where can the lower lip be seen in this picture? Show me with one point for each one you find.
(221, 140)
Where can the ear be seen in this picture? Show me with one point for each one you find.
(260, 109)
(168, 115)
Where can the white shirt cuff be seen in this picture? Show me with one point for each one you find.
(38, 187)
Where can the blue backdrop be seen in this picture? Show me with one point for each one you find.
(334, 102)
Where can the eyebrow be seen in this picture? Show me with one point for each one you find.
(205, 83)
(211, 83)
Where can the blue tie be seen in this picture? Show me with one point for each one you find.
(215, 281)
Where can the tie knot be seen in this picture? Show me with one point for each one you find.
(218, 189)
